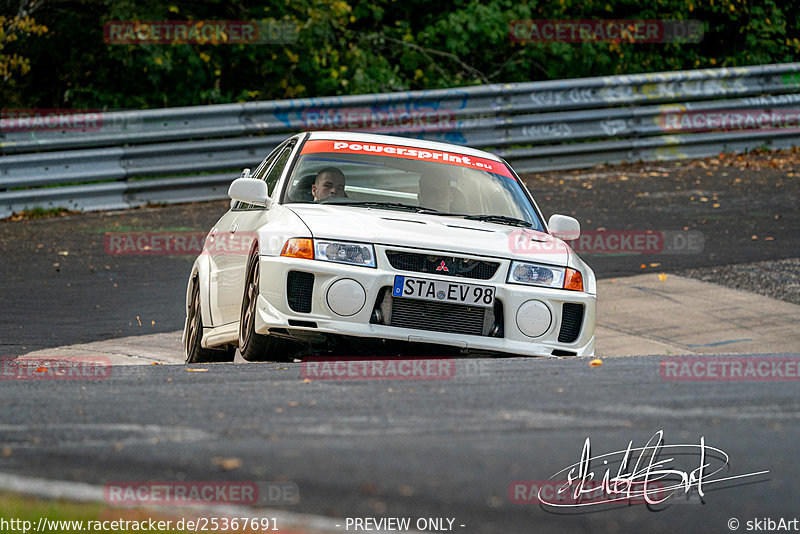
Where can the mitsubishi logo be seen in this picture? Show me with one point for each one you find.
(442, 267)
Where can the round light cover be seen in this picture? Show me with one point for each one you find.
(534, 318)
(346, 297)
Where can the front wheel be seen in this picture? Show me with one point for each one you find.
(194, 351)
(253, 346)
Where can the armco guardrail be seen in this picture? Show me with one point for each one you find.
(127, 158)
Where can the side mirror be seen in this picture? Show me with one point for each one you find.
(564, 227)
(250, 191)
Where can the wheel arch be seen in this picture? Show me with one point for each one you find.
(200, 275)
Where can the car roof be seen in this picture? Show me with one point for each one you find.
(404, 141)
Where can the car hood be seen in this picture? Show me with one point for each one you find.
(440, 233)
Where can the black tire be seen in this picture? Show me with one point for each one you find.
(255, 347)
(195, 353)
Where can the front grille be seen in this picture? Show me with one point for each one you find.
(438, 316)
(442, 265)
(299, 288)
(571, 322)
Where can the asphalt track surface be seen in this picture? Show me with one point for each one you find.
(423, 448)
(51, 299)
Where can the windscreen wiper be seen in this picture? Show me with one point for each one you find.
(500, 219)
(390, 205)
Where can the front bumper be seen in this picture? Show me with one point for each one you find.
(276, 315)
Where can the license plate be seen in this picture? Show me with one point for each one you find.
(443, 291)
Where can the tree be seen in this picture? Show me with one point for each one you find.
(17, 25)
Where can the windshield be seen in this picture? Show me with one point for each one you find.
(397, 177)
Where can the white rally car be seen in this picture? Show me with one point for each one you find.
(342, 238)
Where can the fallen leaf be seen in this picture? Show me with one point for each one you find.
(662, 277)
(655, 265)
(197, 370)
(6, 452)
(155, 363)
(227, 464)
(754, 237)
(597, 362)
(63, 253)
(307, 381)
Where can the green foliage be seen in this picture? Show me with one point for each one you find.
(351, 47)
(16, 27)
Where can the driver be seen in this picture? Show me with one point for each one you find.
(329, 183)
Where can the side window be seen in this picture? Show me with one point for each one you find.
(260, 172)
(275, 172)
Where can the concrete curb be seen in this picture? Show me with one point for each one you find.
(640, 315)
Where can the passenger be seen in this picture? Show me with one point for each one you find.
(434, 191)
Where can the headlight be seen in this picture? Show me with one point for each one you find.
(352, 253)
(543, 275)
